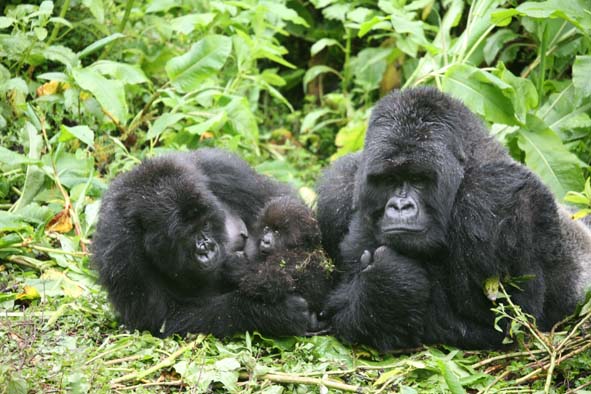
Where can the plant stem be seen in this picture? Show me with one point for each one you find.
(56, 26)
(296, 379)
(128, 8)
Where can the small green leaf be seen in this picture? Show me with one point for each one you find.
(315, 71)
(83, 133)
(162, 123)
(323, 43)
(582, 74)
(95, 46)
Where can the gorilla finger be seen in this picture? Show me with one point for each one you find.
(365, 259)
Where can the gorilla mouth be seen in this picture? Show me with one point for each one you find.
(403, 230)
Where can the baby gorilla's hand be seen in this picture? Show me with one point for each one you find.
(298, 312)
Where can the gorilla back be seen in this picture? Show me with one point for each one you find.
(165, 232)
(436, 191)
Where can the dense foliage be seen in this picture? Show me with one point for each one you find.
(88, 88)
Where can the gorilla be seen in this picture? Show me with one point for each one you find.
(285, 256)
(165, 232)
(425, 214)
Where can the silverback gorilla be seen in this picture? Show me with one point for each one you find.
(166, 230)
(425, 214)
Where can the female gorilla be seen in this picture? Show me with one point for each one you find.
(431, 209)
(166, 232)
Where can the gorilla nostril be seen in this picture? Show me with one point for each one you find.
(401, 206)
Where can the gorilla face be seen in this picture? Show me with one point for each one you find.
(186, 231)
(409, 176)
(285, 223)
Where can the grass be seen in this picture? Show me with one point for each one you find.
(60, 335)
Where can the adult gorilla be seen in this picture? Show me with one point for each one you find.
(166, 233)
(430, 210)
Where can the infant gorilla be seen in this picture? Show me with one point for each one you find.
(283, 255)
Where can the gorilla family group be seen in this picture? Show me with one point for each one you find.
(407, 233)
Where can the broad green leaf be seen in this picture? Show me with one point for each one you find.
(243, 120)
(202, 61)
(546, 155)
(83, 133)
(6, 22)
(350, 138)
(95, 46)
(11, 222)
(520, 91)
(162, 123)
(582, 74)
(35, 177)
(12, 158)
(109, 93)
(284, 12)
(476, 89)
(369, 66)
(496, 42)
(311, 119)
(187, 23)
(573, 11)
(126, 73)
(564, 113)
(452, 381)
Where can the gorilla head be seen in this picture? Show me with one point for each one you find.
(184, 231)
(411, 168)
(285, 224)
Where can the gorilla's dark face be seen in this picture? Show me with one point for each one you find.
(285, 223)
(411, 170)
(186, 231)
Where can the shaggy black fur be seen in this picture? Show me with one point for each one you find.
(166, 230)
(285, 256)
(444, 208)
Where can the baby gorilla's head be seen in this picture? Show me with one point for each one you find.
(284, 224)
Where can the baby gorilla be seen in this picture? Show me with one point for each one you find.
(285, 256)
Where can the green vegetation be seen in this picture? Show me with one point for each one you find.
(88, 88)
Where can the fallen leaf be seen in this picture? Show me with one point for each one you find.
(60, 223)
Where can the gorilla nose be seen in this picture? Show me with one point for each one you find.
(267, 242)
(204, 245)
(401, 207)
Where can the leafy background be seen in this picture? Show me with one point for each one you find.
(89, 88)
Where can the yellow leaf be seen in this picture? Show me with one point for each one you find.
(60, 223)
(52, 87)
(29, 293)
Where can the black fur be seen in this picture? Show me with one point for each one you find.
(285, 255)
(165, 232)
(452, 209)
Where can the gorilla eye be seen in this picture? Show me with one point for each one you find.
(206, 226)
